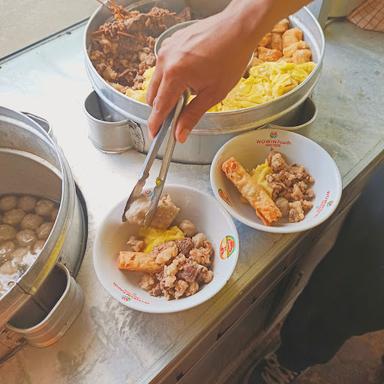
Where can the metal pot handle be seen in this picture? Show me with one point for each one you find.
(41, 121)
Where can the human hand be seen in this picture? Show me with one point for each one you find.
(207, 57)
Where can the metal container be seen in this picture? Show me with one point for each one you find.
(214, 129)
(300, 119)
(32, 163)
(108, 131)
(64, 300)
(203, 148)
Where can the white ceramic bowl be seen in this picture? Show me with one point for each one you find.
(208, 216)
(251, 149)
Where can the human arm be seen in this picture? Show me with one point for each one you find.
(209, 57)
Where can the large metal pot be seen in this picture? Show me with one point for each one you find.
(214, 129)
(32, 163)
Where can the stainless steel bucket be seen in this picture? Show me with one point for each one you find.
(214, 129)
(108, 131)
(32, 163)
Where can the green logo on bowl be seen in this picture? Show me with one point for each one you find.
(273, 135)
(227, 246)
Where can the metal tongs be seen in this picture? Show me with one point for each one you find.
(168, 125)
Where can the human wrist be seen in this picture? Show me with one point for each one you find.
(251, 19)
(254, 18)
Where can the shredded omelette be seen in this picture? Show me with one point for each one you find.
(259, 175)
(153, 236)
(266, 82)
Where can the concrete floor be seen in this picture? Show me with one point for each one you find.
(359, 361)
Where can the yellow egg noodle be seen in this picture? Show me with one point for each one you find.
(266, 82)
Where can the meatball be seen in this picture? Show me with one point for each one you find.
(31, 221)
(54, 214)
(8, 202)
(188, 228)
(6, 248)
(13, 216)
(7, 232)
(26, 238)
(8, 268)
(27, 203)
(18, 254)
(44, 230)
(44, 207)
(38, 246)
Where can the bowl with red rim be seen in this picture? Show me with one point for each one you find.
(251, 149)
(209, 218)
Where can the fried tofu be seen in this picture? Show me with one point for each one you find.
(266, 40)
(292, 36)
(302, 56)
(266, 54)
(281, 26)
(276, 41)
(291, 49)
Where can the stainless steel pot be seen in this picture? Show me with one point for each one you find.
(108, 137)
(108, 131)
(214, 129)
(32, 163)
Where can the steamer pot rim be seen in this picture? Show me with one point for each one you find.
(315, 71)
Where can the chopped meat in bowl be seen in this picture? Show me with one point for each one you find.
(176, 263)
(276, 181)
(275, 189)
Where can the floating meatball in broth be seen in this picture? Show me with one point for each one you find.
(25, 224)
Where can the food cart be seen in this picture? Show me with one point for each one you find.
(110, 343)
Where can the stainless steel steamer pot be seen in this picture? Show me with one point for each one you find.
(214, 129)
(32, 163)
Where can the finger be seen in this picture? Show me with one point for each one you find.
(154, 84)
(166, 99)
(192, 113)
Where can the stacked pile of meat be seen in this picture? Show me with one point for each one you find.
(292, 187)
(288, 194)
(122, 49)
(175, 268)
(284, 43)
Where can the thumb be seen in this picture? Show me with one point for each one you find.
(191, 115)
